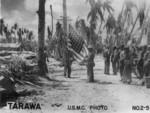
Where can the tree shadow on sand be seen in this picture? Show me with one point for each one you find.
(103, 82)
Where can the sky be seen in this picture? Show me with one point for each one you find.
(24, 11)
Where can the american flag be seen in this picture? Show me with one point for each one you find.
(75, 40)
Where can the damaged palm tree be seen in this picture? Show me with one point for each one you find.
(93, 16)
(96, 13)
(41, 37)
(141, 18)
(126, 21)
(110, 24)
(144, 22)
(107, 8)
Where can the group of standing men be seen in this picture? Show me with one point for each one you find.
(15, 33)
(127, 60)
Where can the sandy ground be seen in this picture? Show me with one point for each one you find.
(107, 90)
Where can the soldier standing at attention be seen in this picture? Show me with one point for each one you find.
(127, 66)
(67, 59)
(90, 63)
(114, 58)
(147, 62)
(46, 59)
(140, 63)
(107, 60)
(121, 61)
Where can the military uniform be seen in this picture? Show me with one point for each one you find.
(140, 64)
(67, 59)
(114, 60)
(127, 67)
(46, 60)
(67, 63)
(147, 68)
(147, 62)
(107, 61)
(121, 63)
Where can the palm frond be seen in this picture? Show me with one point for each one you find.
(107, 6)
(100, 14)
(111, 23)
(89, 15)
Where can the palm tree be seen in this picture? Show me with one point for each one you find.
(125, 18)
(41, 37)
(110, 24)
(99, 9)
(106, 8)
(93, 16)
(143, 20)
(96, 13)
(141, 17)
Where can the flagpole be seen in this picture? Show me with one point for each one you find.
(0, 9)
(65, 16)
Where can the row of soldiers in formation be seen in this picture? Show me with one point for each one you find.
(124, 59)
(14, 33)
(127, 60)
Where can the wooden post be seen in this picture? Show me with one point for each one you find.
(51, 17)
(65, 16)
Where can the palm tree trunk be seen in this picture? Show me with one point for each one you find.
(41, 37)
(90, 61)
